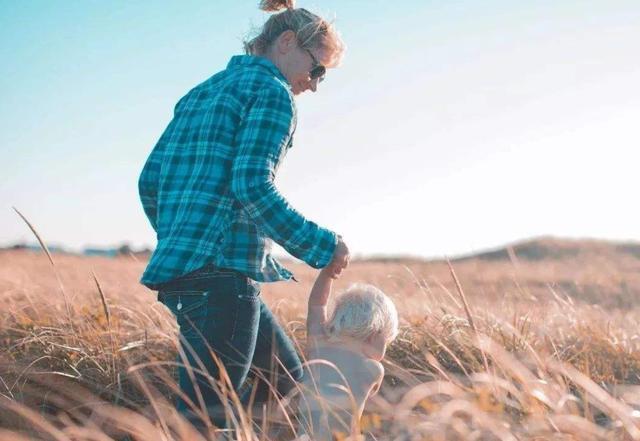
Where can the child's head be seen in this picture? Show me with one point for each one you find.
(367, 315)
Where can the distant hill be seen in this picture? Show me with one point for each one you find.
(598, 272)
(532, 250)
(550, 248)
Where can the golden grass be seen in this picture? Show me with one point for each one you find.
(526, 350)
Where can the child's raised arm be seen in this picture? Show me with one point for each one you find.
(317, 309)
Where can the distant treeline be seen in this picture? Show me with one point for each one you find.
(122, 250)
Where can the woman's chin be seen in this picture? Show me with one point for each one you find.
(298, 87)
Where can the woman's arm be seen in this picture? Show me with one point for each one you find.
(261, 142)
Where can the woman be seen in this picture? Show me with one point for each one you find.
(207, 189)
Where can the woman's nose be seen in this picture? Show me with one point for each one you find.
(313, 85)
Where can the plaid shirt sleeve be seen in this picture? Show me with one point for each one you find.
(261, 141)
(148, 192)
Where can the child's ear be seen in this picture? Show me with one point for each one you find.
(370, 337)
(375, 388)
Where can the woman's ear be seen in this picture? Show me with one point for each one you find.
(287, 41)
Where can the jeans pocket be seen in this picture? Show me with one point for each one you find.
(190, 309)
(251, 293)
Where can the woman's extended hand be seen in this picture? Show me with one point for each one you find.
(340, 259)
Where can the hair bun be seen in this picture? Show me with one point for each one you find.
(276, 5)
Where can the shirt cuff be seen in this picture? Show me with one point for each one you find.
(326, 249)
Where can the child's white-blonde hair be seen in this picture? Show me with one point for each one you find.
(361, 311)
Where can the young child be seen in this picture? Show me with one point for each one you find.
(344, 354)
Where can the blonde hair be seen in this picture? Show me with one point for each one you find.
(311, 31)
(361, 311)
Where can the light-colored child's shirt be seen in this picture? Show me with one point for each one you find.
(324, 406)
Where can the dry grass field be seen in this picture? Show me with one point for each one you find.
(539, 341)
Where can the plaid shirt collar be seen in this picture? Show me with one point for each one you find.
(252, 60)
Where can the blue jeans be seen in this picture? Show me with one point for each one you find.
(222, 309)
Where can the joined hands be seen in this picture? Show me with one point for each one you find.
(340, 260)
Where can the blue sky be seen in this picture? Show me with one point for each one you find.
(451, 126)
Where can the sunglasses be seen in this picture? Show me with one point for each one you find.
(318, 70)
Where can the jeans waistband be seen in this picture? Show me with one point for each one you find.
(207, 272)
(211, 270)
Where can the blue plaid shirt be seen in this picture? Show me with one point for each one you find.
(207, 187)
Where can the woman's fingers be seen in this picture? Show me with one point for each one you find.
(340, 259)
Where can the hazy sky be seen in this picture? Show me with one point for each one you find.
(452, 126)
